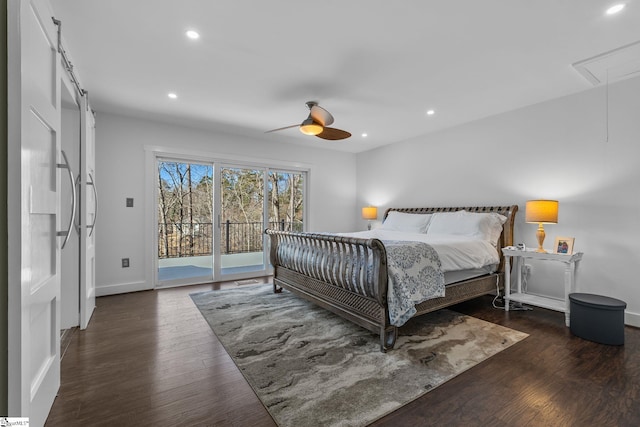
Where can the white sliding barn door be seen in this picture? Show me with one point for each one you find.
(35, 174)
(88, 213)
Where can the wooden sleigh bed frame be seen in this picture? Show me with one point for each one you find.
(348, 276)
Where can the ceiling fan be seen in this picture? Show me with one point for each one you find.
(317, 124)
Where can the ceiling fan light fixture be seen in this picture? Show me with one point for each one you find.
(317, 124)
(309, 127)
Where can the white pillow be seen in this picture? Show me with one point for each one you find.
(451, 223)
(485, 226)
(407, 222)
(494, 226)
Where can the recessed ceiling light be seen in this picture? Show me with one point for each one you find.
(192, 34)
(430, 112)
(172, 95)
(364, 135)
(615, 9)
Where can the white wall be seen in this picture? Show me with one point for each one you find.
(557, 150)
(120, 173)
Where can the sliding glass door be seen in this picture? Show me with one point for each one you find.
(185, 222)
(211, 218)
(241, 242)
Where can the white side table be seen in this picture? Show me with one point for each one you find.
(570, 272)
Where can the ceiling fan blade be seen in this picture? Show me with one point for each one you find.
(321, 115)
(333, 134)
(286, 127)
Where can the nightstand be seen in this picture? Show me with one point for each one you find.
(571, 262)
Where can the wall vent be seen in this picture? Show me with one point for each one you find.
(614, 65)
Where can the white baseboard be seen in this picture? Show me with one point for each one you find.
(121, 288)
(632, 319)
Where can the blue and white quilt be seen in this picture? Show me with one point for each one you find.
(415, 275)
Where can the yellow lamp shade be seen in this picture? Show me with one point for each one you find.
(369, 212)
(542, 211)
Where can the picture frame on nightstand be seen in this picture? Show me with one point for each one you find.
(564, 245)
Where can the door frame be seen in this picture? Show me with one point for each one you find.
(79, 254)
(87, 212)
(153, 152)
(69, 269)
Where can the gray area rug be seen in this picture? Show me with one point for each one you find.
(309, 367)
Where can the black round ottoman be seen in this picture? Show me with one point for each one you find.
(597, 318)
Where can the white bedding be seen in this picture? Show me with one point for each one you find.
(456, 252)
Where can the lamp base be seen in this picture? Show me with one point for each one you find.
(540, 235)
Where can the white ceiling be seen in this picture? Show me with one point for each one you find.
(377, 66)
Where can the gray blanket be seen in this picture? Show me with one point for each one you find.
(415, 275)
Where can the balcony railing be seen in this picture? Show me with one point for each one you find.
(196, 239)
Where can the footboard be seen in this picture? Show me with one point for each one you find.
(343, 274)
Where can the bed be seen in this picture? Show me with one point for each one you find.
(350, 274)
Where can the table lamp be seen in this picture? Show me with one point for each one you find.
(542, 212)
(369, 213)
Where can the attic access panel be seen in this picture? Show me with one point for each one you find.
(614, 65)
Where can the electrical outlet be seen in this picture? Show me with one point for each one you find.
(129, 202)
(125, 262)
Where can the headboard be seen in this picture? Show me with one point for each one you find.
(506, 238)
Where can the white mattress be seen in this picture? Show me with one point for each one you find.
(451, 277)
(467, 256)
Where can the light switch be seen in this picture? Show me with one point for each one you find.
(129, 202)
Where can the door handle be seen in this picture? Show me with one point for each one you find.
(92, 183)
(77, 223)
(72, 219)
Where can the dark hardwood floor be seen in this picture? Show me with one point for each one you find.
(149, 358)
